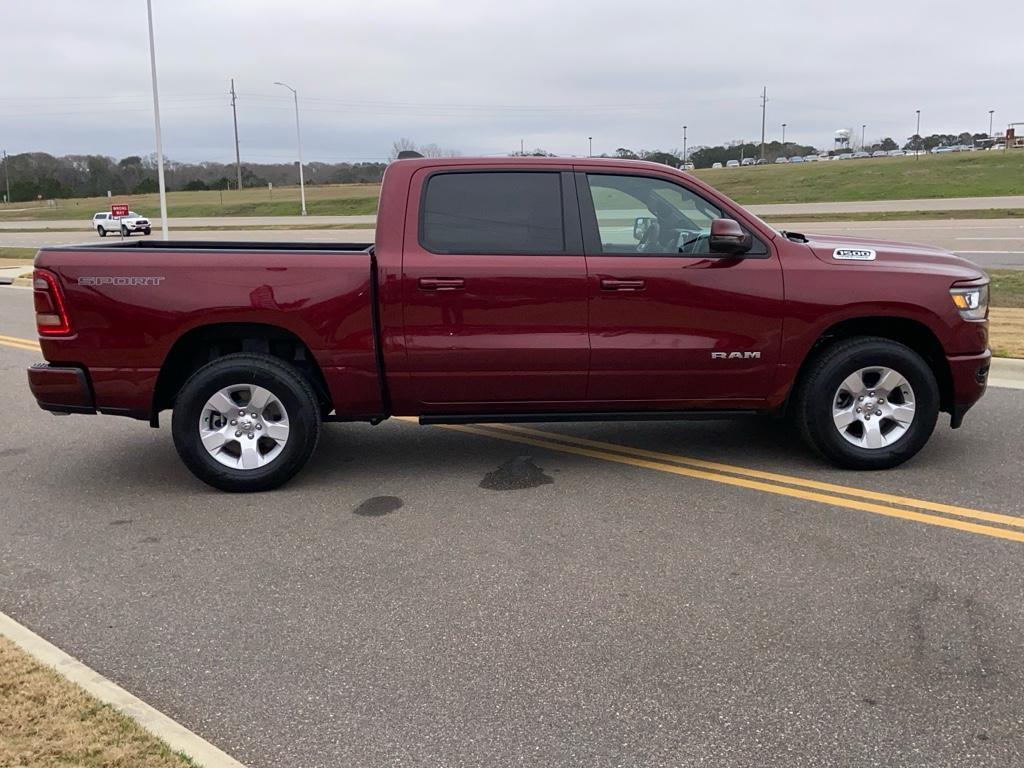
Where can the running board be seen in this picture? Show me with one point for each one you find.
(512, 418)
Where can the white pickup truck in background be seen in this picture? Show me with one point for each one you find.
(104, 222)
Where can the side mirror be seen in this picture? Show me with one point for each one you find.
(640, 226)
(727, 236)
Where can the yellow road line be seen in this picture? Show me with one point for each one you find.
(28, 347)
(740, 482)
(889, 498)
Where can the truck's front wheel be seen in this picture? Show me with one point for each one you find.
(246, 422)
(868, 403)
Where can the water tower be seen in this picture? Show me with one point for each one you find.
(842, 139)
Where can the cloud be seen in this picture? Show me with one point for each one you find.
(481, 76)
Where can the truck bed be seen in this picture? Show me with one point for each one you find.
(133, 305)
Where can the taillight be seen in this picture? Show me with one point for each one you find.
(51, 314)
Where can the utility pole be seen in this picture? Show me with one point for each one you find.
(684, 143)
(7, 176)
(783, 137)
(156, 120)
(591, 150)
(863, 128)
(234, 115)
(764, 104)
(990, 113)
(917, 151)
(522, 148)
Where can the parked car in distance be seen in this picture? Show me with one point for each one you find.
(686, 167)
(747, 161)
(896, 153)
(879, 153)
(796, 159)
(732, 164)
(843, 156)
(810, 158)
(761, 161)
(513, 290)
(104, 222)
(860, 155)
(716, 165)
(781, 159)
(824, 156)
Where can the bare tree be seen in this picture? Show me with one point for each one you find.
(401, 145)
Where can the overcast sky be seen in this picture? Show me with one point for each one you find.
(479, 76)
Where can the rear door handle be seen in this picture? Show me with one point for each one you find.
(441, 283)
(610, 284)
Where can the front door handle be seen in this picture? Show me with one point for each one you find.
(610, 284)
(441, 283)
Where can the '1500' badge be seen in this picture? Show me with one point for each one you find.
(854, 254)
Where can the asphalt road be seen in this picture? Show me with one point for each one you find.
(993, 243)
(433, 597)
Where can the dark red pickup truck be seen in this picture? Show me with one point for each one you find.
(515, 290)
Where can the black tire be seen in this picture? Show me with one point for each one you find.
(147, 231)
(101, 231)
(286, 384)
(125, 232)
(817, 393)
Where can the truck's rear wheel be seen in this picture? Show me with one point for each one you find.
(125, 232)
(246, 422)
(101, 231)
(868, 403)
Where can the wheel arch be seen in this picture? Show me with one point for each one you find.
(205, 343)
(911, 333)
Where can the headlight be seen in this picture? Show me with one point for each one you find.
(972, 302)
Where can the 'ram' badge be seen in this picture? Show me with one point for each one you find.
(854, 254)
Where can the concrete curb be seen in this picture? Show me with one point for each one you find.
(1006, 372)
(175, 735)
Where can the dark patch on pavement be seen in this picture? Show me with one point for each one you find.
(515, 475)
(378, 506)
(126, 521)
(12, 452)
(151, 540)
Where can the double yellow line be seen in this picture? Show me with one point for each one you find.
(993, 524)
(13, 341)
(890, 505)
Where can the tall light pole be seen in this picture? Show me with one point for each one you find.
(917, 151)
(863, 128)
(298, 136)
(990, 113)
(590, 152)
(684, 143)
(783, 135)
(156, 120)
(7, 176)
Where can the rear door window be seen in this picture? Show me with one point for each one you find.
(498, 212)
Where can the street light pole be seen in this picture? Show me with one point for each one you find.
(990, 113)
(917, 151)
(156, 120)
(783, 136)
(7, 176)
(590, 152)
(863, 128)
(298, 136)
(684, 143)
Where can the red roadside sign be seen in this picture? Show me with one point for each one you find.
(117, 211)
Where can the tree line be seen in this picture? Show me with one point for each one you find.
(37, 175)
